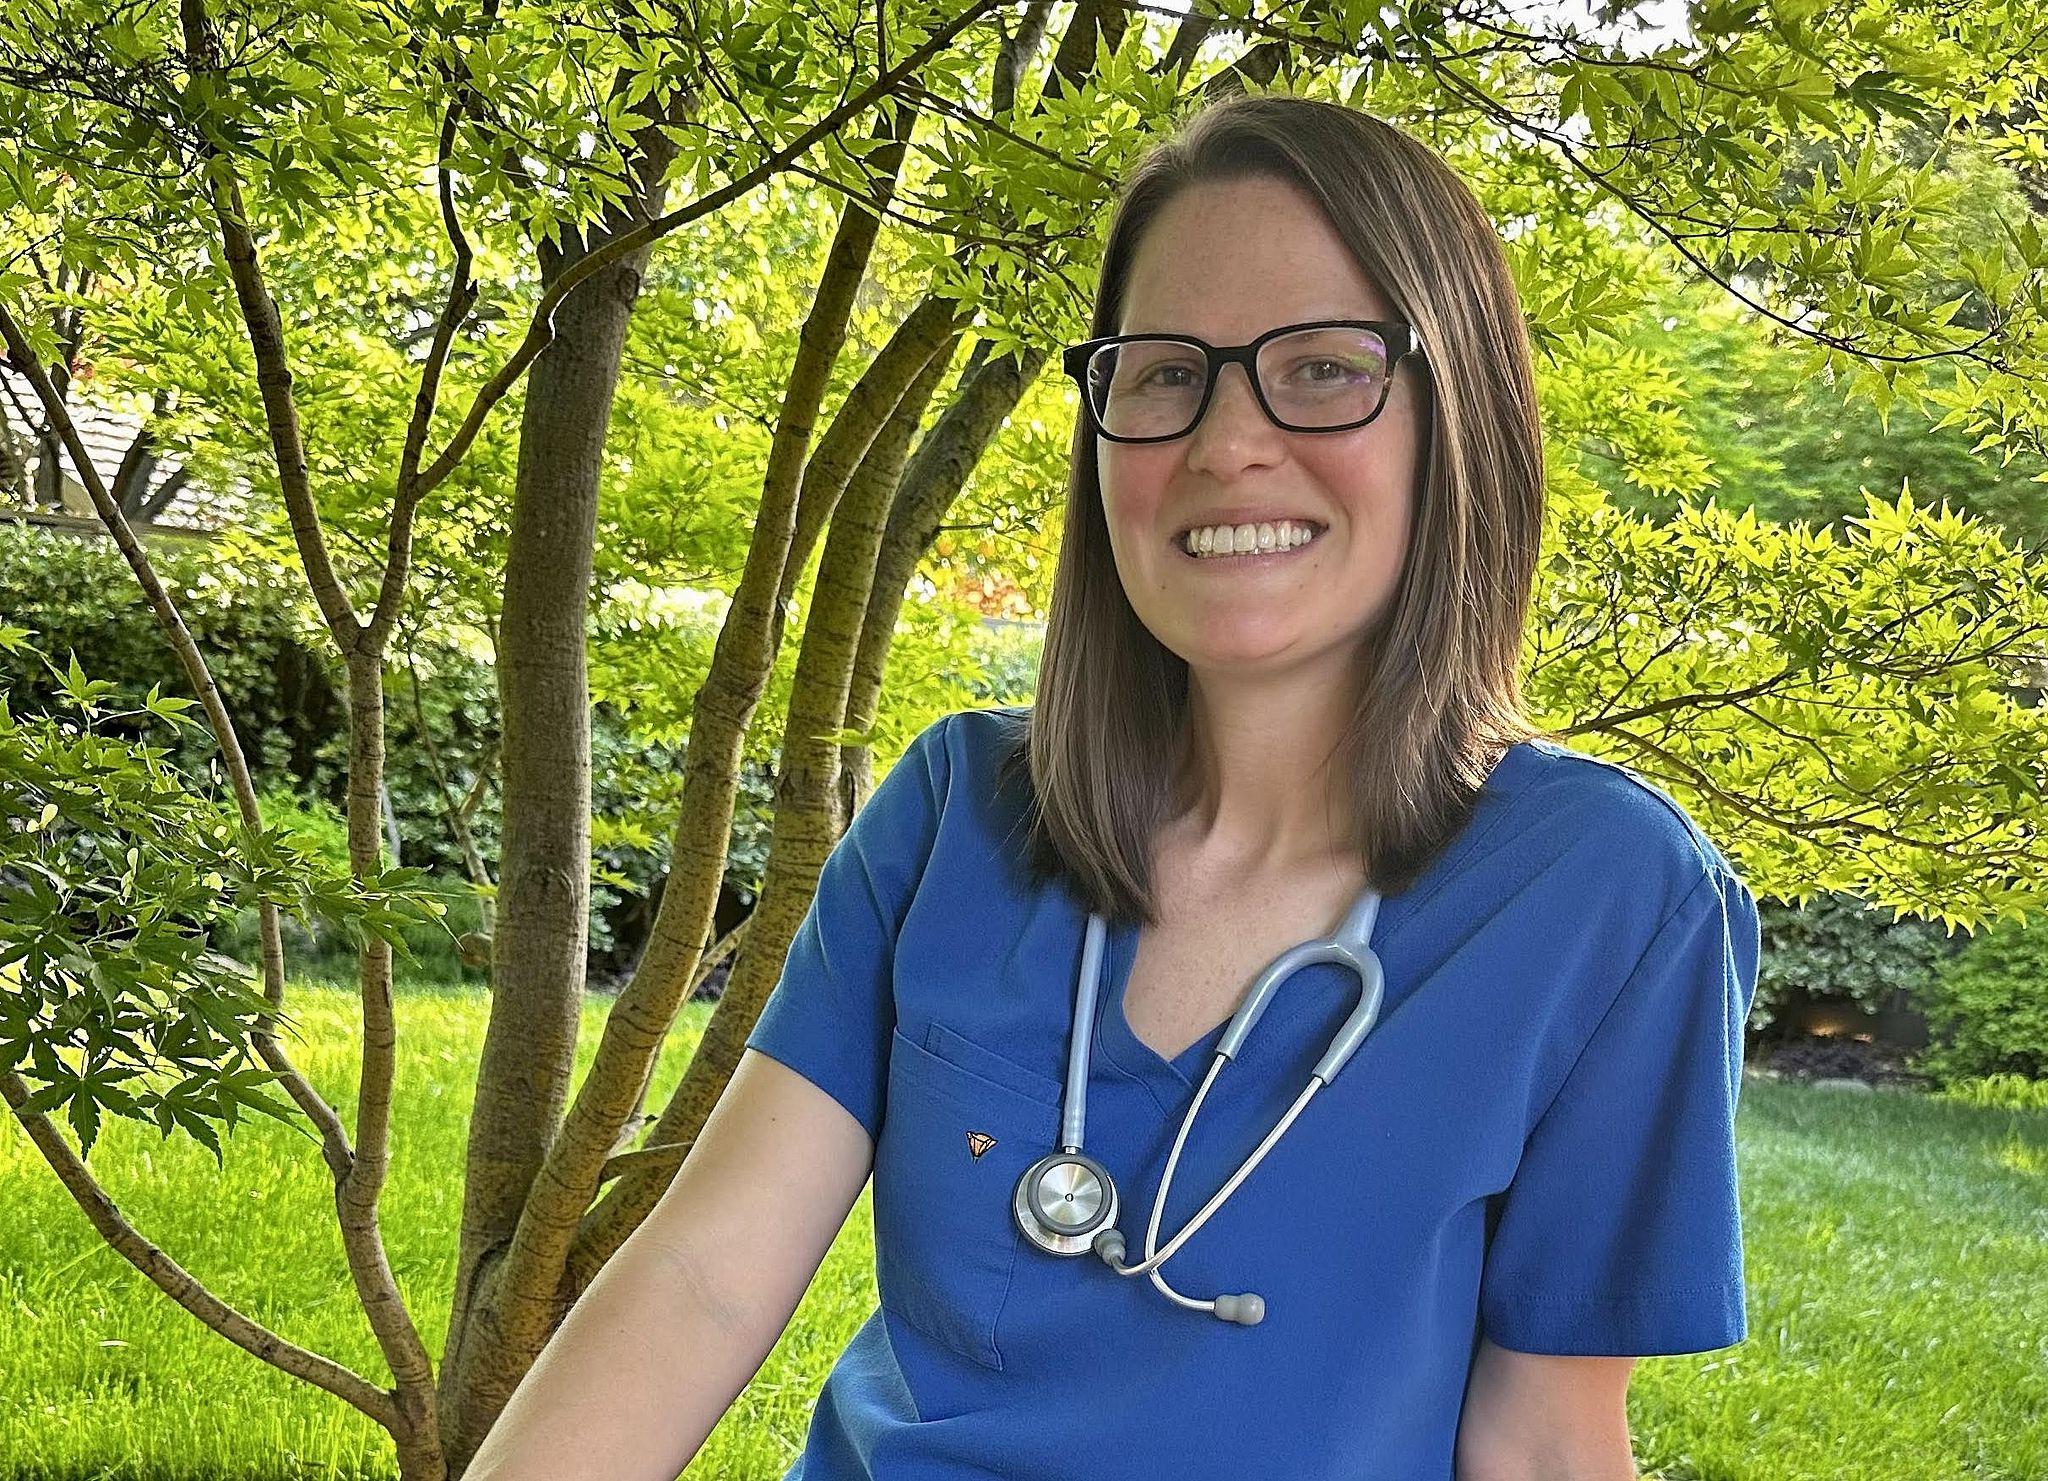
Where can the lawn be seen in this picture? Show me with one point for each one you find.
(1898, 1270)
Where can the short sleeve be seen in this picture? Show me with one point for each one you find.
(830, 1014)
(1621, 1232)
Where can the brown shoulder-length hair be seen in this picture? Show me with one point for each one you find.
(1441, 698)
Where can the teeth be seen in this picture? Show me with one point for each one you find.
(1243, 539)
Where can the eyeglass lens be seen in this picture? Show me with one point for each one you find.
(1323, 377)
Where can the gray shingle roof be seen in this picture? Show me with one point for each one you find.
(107, 432)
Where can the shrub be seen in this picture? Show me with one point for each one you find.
(1836, 946)
(1987, 1008)
(81, 600)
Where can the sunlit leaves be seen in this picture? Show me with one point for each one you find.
(1850, 712)
(1797, 155)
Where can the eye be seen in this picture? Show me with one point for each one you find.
(1152, 377)
(1154, 367)
(1325, 371)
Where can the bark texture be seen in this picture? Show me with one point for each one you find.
(541, 934)
(807, 816)
(517, 1290)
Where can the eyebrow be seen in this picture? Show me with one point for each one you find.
(1304, 319)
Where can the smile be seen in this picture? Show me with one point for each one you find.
(1248, 544)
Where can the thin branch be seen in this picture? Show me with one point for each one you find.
(178, 1283)
(333, 1139)
(1515, 123)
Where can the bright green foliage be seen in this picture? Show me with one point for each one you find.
(1845, 708)
(1847, 714)
(2004, 1091)
(1752, 404)
(1986, 1008)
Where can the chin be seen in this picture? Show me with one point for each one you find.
(1243, 655)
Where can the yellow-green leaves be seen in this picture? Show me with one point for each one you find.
(115, 868)
(1846, 714)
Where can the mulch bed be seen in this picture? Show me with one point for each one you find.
(1835, 1057)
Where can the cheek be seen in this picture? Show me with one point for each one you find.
(1134, 482)
(1376, 500)
(1376, 478)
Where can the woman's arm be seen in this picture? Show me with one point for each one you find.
(682, 1315)
(1532, 1417)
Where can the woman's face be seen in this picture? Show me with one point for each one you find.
(1226, 261)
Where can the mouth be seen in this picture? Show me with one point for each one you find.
(1286, 545)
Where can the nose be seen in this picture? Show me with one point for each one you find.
(1234, 429)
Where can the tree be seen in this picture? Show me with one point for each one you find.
(298, 112)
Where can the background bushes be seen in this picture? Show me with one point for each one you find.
(1988, 1006)
(1835, 946)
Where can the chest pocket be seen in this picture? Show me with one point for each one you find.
(962, 1124)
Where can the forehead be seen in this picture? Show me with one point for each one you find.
(1226, 260)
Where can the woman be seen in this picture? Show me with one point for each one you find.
(1278, 694)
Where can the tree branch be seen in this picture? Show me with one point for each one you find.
(273, 367)
(178, 1283)
(540, 329)
(333, 1139)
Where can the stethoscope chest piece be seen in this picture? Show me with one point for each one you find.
(1062, 1201)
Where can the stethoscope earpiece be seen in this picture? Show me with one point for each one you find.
(1065, 1203)
(1247, 1310)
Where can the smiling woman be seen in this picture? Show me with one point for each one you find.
(1474, 1152)
(1332, 252)
(1280, 677)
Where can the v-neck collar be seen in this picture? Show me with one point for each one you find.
(1125, 1048)
(1116, 1041)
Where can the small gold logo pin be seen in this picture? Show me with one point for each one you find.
(979, 1142)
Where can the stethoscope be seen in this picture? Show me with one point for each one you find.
(1066, 1203)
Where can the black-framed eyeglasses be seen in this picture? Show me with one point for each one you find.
(1327, 375)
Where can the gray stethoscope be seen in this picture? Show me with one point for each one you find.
(1066, 1202)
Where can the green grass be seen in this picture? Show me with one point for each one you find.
(1897, 1263)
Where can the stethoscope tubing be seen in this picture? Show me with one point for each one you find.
(1154, 1257)
(1094, 1211)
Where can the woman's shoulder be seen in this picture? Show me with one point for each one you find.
(1609, 824)
(987, 725)
(977, 824)
(965, 740)
(973, 744)
(967, 756)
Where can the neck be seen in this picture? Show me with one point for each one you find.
(1258, 784)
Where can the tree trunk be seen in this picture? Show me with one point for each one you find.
(928, 488)
(541, 934)
(531, 1290)
(532, 1169)
(807, 818)
(937, 473)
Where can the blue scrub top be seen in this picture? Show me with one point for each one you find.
(1535, 1142)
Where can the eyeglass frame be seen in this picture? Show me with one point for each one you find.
(1401, 338)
